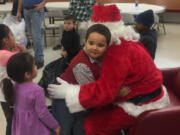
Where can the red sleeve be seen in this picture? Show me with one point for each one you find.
(105, 89)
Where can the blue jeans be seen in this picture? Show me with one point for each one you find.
(71, 124)
(34, 24)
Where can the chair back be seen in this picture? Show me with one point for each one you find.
(171, 79)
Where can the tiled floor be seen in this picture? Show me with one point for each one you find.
(167, 55)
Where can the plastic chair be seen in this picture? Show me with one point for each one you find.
(52, 26)
(157, 24)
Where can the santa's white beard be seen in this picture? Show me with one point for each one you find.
(119, 30)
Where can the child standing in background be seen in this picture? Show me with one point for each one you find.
(69, 28)
(144, 21)
(82, 10)
(30, 114)
(8, 48)
(70, 46)
(70, 38)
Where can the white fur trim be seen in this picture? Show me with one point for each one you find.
(119, 30)
(72, 99)
(136, 110)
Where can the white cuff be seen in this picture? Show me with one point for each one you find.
(72, 99)
(136, 110)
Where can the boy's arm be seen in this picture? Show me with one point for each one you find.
(20, 48)
(124, 91)
(83, 74)
(41, 5)
(148, 42)
(19, 10)
(103, 91)
(42, 111)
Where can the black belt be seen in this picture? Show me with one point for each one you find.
(28, 8)
(143, 98)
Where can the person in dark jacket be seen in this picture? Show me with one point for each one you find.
(69, 25)
(70, 47)
(144, 22)
(70, 43)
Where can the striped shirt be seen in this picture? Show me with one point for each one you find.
(81, 9)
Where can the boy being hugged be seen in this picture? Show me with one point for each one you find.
(84, 68)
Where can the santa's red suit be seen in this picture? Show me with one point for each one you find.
(126, 63)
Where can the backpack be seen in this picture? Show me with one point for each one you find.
(51, 71)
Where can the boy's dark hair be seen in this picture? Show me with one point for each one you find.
(17, 65)
(3, 34)
(101, 29)
(70, 17)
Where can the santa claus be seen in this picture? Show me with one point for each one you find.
(126, 63)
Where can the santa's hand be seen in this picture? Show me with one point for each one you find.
(58, 91)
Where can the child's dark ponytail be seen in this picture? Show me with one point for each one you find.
(8, 94)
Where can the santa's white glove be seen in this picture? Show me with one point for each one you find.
(58, 91)
(68, 92)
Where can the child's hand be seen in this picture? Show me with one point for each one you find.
(124, 91)
(57, 130)
(21, 48)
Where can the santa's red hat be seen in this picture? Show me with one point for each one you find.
(110, 16)
(104, 14)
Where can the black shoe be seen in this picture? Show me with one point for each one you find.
(57, 47)
(28, 44)
(39, 64)
(50, 109)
